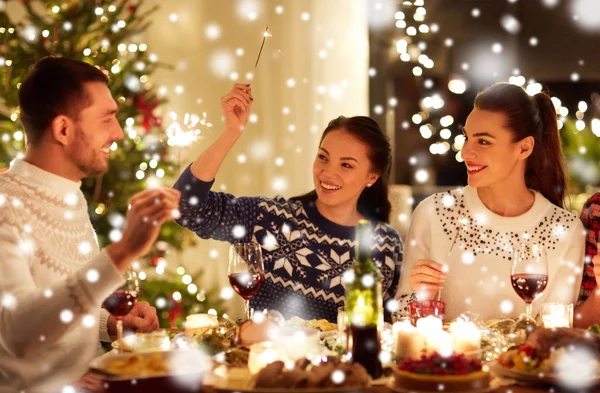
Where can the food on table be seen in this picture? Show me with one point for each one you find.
(254, 332)
(330, 374)
(545, 347)
(237, 357)
(522, 358)
(321, 324)
(455, 373)
(214, 340)
(545, 340)
(139, 365)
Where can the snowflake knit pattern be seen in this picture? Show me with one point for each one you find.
(304, 254)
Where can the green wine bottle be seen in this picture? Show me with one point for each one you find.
(364, 304)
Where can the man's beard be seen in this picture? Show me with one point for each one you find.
(85, 159)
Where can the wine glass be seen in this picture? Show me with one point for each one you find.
(121, 301)
(245, 271)
(529, 276)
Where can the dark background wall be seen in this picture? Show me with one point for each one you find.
(563, 48)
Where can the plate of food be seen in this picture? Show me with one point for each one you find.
(563, 357)
(326, 329)
(126, 366)
(304, 377)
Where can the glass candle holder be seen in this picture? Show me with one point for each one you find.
(202, 322)
(418, 309)
(557, 315)
(342, 326)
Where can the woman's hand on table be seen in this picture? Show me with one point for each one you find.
(427, 278)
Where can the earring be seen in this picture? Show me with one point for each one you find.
(369, 185)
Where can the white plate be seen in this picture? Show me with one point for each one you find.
(183, 362)
(531, 379)
(145, 342)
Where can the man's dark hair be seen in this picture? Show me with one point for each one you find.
(55, 86)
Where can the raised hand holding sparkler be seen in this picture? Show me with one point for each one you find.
(236, 106)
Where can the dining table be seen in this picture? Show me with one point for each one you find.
(161, 385)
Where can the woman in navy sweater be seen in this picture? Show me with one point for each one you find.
(307, 241)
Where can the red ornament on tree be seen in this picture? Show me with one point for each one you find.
(132, 7)
(157, 260)
(147, 109)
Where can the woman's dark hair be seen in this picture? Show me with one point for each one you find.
(531, 116)
(373, 202)
(55, 86)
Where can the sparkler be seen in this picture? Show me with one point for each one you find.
(265, 35)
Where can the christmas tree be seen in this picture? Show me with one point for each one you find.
(105, 34)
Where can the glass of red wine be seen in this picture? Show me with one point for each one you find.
(529, 276)
(121, 301)
(246, 271)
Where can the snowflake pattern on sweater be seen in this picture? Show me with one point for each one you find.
(304, 254)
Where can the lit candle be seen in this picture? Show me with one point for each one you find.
(295, 344)
(409, 342)
(467, 338)
(262, 354)
(194, 322)
(440, 342)
(429, 324)
(556, 315)
(436, 339)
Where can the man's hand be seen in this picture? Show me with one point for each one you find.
(141, 319)
(148, 210)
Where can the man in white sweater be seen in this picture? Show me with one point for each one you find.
(54, 278)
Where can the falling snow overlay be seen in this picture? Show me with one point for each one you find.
(479, 265)
(53, 280)
(304, 254)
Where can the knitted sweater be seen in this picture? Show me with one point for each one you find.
(304, 254)
(52, 284)
(480, 262)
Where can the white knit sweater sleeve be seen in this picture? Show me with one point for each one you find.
(417, 247)
(34, 318)
(564, 286)
(103, 326)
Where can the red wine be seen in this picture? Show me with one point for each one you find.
(365, 349)
(120, 302)
(529, 286)
(246, 284)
